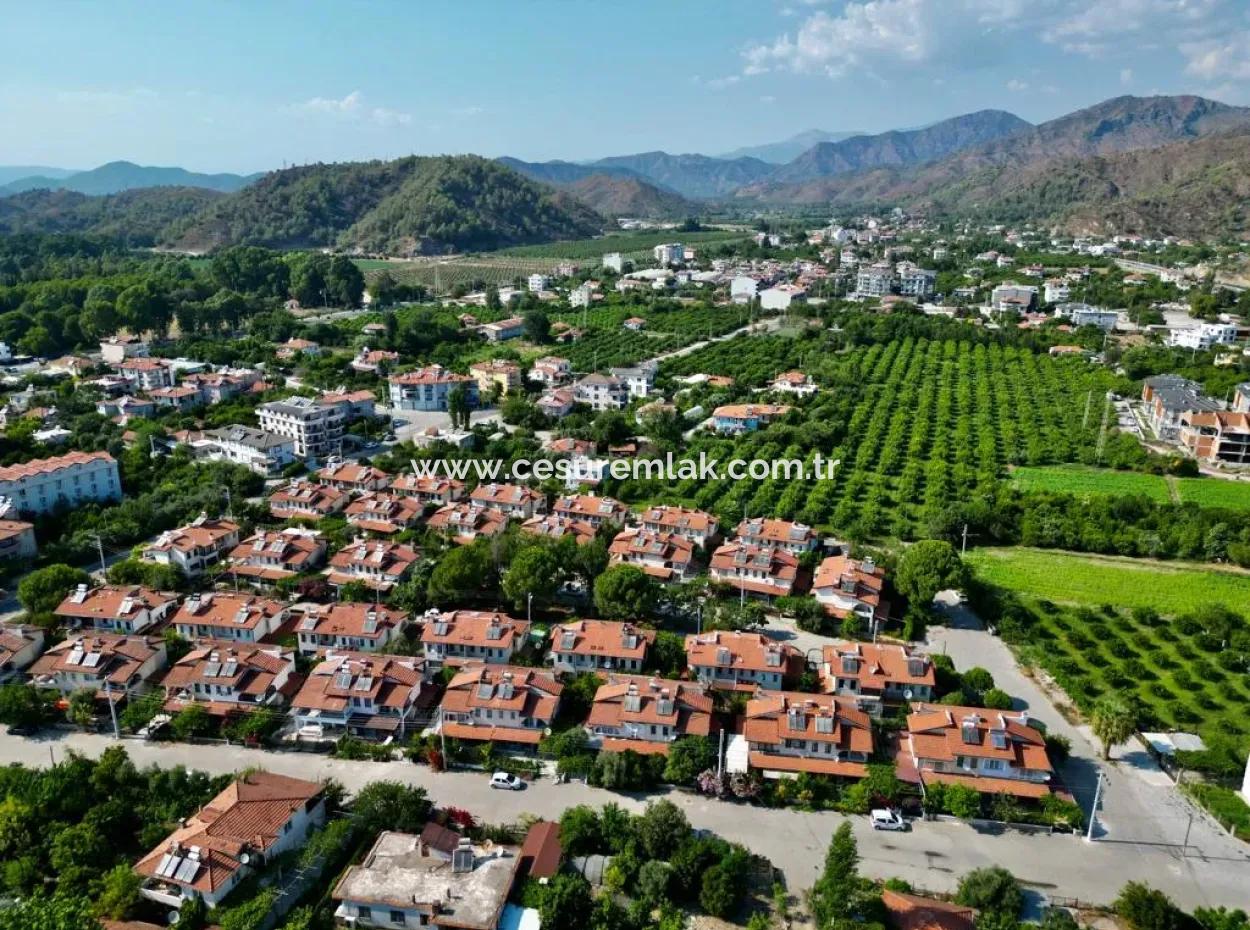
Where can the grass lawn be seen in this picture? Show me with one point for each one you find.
(1084, 481)
(1070, 578)
(1215, 492)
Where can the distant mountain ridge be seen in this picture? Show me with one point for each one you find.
(118, 176)
(615, 196)
(778, 153)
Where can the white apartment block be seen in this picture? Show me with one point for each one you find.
(669, 253)
(1203, 336)
(43, 485)
(262, 452)
(913, 281)
(874, 280)
(317, 429)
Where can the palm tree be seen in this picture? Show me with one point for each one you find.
(1114, 720)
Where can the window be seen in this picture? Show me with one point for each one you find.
(397, 917)
(992, 765)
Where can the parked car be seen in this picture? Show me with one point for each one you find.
(885, 819)
(506, 781)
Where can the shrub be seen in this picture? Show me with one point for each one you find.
(991, 890)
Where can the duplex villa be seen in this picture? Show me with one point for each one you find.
(789, 732)
(228, 616)
(465, 522)
(695, 525)
(268, 556)
(760, 571)
(20, 645)
(499, 704)
(993, 751)
(795, 538)
(428, 490)
(115, 608)
(513, 500)
(551, 526)
(646, 715)
(375, 563)
(349, 627)
(587, 645)
(109, 664)
(741, 661)
(663, 556)
(228, 679)
(361, 694)
(876, 674)
(384, 514)
(594, 510)
(193, 548)
(303, 500)
(352, 476)
(847, 587)
(456, 637)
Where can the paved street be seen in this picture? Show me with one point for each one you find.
(933, 856)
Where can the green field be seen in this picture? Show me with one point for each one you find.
(1085, 481)
(1069, 578)
(1215, 492)
(631, 245)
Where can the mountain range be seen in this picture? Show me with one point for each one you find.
(114, 177)
(1153, 164)
(778, 153)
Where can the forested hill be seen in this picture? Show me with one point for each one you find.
(139, 217)
(404, 206)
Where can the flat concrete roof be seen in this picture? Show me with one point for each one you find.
(396, 874)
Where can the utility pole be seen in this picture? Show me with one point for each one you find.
(99, 547)
(720, 755)
(108, 695)
(529, 608)
(963, 548)
(1093, 811)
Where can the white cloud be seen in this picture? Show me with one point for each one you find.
(878, 37)
(1126, 76)
(1226, 58)
(352, 107)
(1015, 85)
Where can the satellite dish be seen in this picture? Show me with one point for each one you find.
(907, 694)
(172, 917)
(245, 858)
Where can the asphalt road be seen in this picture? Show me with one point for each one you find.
(933, 856)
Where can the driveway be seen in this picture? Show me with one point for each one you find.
(933, 856)
(1141, 812)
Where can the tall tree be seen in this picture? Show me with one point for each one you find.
(1113, 721)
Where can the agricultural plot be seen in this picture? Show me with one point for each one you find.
(1084, 481)
(1184, 676)
(443, 275)
(1087, 580)
(609, 344)
(916, 424)
(1215, 492)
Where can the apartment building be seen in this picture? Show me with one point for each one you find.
(113, 608)
(1219, 437)
(110, 664)
(349, 627)
(64, 481)
(602, 392)
(874, 280)
(262, 452)
(1079, 314)
(116, 349)
(669, 253)
(1168, 397)
(746, 418)
(914, 281)
(697, 526)
(993, 751)
(1204, 336)
(429, 389)
(268, 556)
(457, 637)
(770, 533)
(499, 704)
(385, 514)
(788, 732)
(761, 571)
(1013, 298)
(646, 714)
(639, 380)
(228, 617)
(741, 661)
(588, 645)
(361, 694)
(376, 563)
(497, 374)
(351, 405)
(513, 500)
(193, 548)
(20, 645)
(782, 297)
(846, 587)
(304, 500)
(254, 820)
(316, 428)
(876, 674)
(146, 374)
(1057, 291)
(664, 556)
(229, 679)
(465, 521)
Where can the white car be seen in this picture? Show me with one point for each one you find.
(506, 781)
(884, 819)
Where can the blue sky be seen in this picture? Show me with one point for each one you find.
(234, 86)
